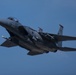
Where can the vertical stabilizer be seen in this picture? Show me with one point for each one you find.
(40, 29)
(60, 32)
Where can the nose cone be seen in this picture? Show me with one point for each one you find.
(3, 22)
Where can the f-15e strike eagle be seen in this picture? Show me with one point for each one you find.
(36, 42)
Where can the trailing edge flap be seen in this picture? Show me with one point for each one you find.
(66, 49)
(33, 53)
(8, 43)
(61, 37)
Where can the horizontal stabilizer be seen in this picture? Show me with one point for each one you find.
(8, 43)
(66, 49)
(61, 37)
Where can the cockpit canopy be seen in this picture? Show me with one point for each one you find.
(14, 19)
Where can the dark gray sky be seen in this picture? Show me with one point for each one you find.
(46, 14)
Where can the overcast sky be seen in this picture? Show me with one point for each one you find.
(47, 14)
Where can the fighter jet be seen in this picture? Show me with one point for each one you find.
(36, 42)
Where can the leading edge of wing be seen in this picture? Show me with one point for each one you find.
(63, 37)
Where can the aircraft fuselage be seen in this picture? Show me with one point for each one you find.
(26, 37)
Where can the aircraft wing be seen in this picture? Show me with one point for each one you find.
(8, 43)
(61, 37)
(66, 49)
